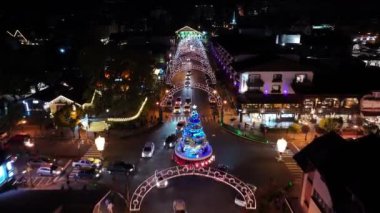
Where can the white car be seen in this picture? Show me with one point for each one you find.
(239, 200)
(47, 171)
(177, 109)
(148, 150)
(83, 164)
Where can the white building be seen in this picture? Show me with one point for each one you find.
(274, 76)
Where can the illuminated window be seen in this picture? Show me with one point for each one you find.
(276, 89)
(300, 78)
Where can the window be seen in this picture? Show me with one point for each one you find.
(277, 78)
(276, 89)
(300, 78)
(323, 207)
(253, 77)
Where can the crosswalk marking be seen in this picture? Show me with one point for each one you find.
(292, 166)
(181, 118)
(41, 181)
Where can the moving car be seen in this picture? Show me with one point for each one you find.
(212, 100)
(180, 125)
(37, 161)
(188, 73)
(121, 167)
(88, 173)
(169, 104)
(188, 100)
(49, 171)
(239, 200)
(187, 78)
(177, 109)
(161, 183)
(186, 108)
(223, 167)
(178, 101)
(83, 163)
(179, 206)
(170, 141)
(97, 162)
(187, 83)
(148, 150)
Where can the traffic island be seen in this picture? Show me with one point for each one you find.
(244, 134)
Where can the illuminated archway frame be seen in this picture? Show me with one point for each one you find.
(196, 52)
(210, 91)
(242, 188)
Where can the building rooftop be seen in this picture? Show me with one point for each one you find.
(269, 63)
(52, 92)
(347, 168)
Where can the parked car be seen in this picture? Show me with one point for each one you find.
(177, 109)
(121, 167)
(83, 163)
(179, 206)
(88, 173)
(49, 171)
(170, 141)
(178, 101)
(148, 150)
(37, 161)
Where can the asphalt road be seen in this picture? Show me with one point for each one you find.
(252, 162)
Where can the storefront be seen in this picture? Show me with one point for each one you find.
(7, 170)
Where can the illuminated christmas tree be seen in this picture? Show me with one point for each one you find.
(193, 147)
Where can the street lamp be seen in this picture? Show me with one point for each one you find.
(222, 113)
(281, 146)
(100, 142)
(240, 115)
(159, 112)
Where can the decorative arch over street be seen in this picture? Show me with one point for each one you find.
(210, 91)
(178, 171)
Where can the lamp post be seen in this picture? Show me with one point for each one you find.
(100, 142)
(222, 112)
(159, 112)
(240, 115)
(281, 147)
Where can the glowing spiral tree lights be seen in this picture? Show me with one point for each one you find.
(193, 147)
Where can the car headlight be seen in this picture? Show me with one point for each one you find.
(97, 175)
(131, 169)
